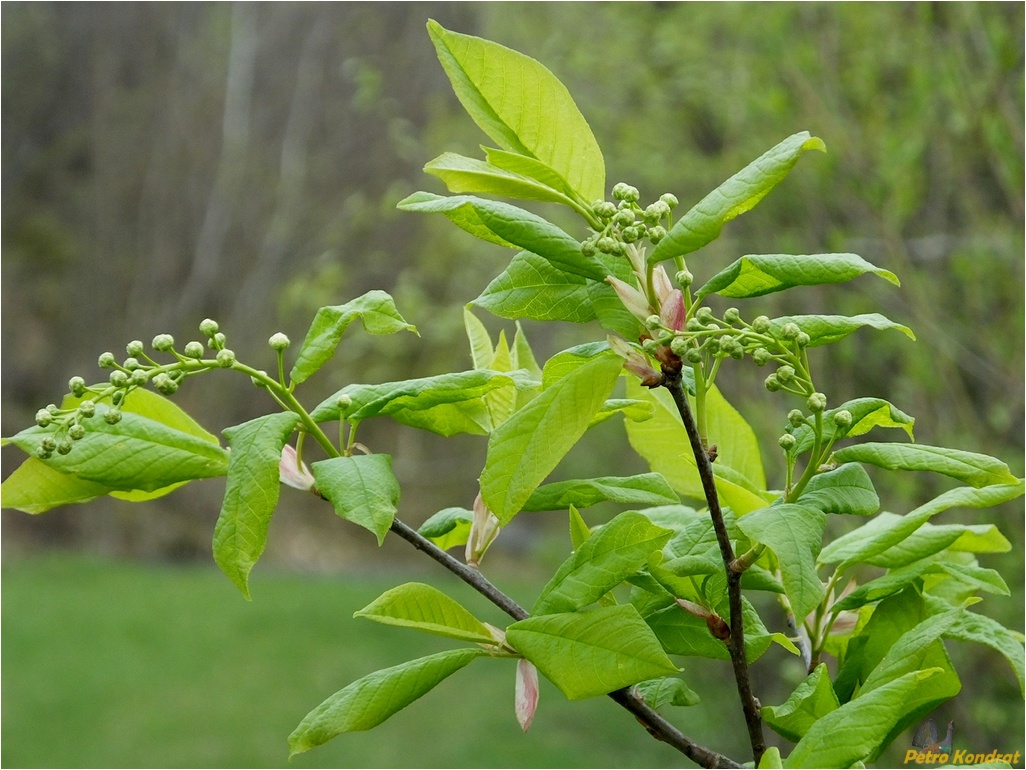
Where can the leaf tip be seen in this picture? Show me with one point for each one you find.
(814, 143)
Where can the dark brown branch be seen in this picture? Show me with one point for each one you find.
(736, 642)
(650, 719)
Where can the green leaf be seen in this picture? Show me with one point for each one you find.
(567, 361)
(827, 329)
(703, 223)
(510, 226)
(528, 446)
(757, 274)
(592, 652)
(481, 349)
(425, 608)
(522, 106)
(694, 550)
(972, 627)
(469, 175)
(771, 758)
(137, 453)
(645, 489)
(847, 490)
(886, 531)
(375, 308)
(882, 587)
(35, 487)
(369, 701)
(864, 722)
(630, 408)
(795, 534)
(930, 539)
(666, 691)
(975, 469)
(606, 559)
(251, 493)
(527, 166)
(681, 633)
(446, 403)
(448, 528)
(532, 287)
(579, 529)
(362, 489)
(661, 440)
(867, 413)
(812, 700)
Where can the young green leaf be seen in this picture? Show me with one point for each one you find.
(666, 691)
(375, 308)
(630, 408)
(606, 559)
(864, 722)
(972, 468)
(757, 274)
(136, 453)
(510, 226)
(528, 446)
(35, 487)
(362, 489)
(532, 287)
(703, 223)
(681, 633)
(930, 539)
(579, 529)
(481, 348)
(567, 361)
(866, 413)
(645, 489)
(448, 528)
(425, 608)
(522, 106)
(847, 490)
(532, 168)
(522, 357)
(592, 652)
(795, 534)
(369, 701)
(251, 493)
(469, 175)
(811, 700)
(827, 329)
(771, 759)
(886, 531)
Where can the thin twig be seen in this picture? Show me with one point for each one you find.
(734, 571)
(650, 719)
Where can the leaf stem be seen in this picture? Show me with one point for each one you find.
(736, 643)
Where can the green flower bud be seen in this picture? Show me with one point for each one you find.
(139, 377)
(669, 199)
(588, 248)
(653, 322)
(131, 364)
(43, 454)
(631, 194)
(843, 419)
(617, 248)
(802, 340)
(725, 341)
(694, 325)
(712, 345)
(665, 337)
(795, 417)
(48, 443)
(680, 346)
(76, 432)
(118, 378)
(87, 408)
(134, 348)
(630, 234)
(160, 381)
(112, 416)
(650, 346)
(278, 342)
(53, 409)
(761, 325)
(217, 341)
(785, 373)
(605, 210)
(736, 351)
(169, 388)
(772, 383)
(761, 356)
(694, 356)
(163, 342)
(657, 233)
(76, 385)
(344, 402)
(208, 327)
(790, 331)
(704, 314)
(225, 358)
(106, 361)
(685, 278)
(193, 349)
(606, 244)
(787, 441)
(655, 211)
(619, 190)
(117, 397)
(43, 418)
(624, 218)
(817, 402)
(64, 447)
(731, 315)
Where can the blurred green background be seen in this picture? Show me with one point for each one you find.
(162, 163)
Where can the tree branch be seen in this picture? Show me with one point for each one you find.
(736, 643)
(650, 719)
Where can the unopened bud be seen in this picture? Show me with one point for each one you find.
(787, 441)
(669, 199)
(843, 418)
(657, 233)
(731, 315)
(704, 314)
(117, 397)
(217, 341)
(87, 408)
(194, 349)
(76, 432)
(48, 443)
(653, 322)
(225, 358)
(139, 377)
(278, 342)
(685, 278)
(785, 373)
(134, 348)
(118, 378)
(208, 327)
(131, 364)
(761, 325)
(112, 416)
(772, 383)
(795, 417)
(43, 454)
(817, 402)
(163, 342)
(679, 346)
(43, 418)
(76, 385)
(106, 360)
(790, 331)
(344, 402)
(761, 356)
(64, 447)
(802, 340)
(605, 209)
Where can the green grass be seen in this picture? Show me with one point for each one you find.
(126, 665)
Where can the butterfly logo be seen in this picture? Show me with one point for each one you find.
(926, 738)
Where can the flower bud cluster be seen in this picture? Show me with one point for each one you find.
(624, 221)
